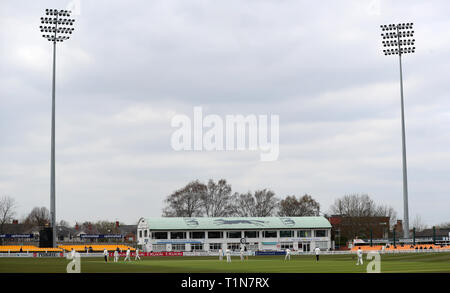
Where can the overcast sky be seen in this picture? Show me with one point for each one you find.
(131, 65)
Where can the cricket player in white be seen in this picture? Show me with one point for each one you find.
(360, 256)
(288, 254)
(242, 253)
(72, 254)
(228, 253)
(137, 255)
(116, 255)
(105, 253)
(317, 250)
(220, 254)
(127, 256)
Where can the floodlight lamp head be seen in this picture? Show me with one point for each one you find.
(57, 23)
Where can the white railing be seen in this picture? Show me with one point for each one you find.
(215, 253)
(374, 250)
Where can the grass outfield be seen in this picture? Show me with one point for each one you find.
(400, 263)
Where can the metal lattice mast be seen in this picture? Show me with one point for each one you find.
(400, 38)
(59, 26)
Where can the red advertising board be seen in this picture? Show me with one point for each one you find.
(162, 253)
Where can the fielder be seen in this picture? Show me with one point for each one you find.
(116, 255)
(228, 253)
(242, 253)
(220, 254)
(317, 250)
(127, 256)
(360, 256)
(105, 254)
(288, 254)
(137, 255)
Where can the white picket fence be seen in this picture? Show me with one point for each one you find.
(367, 251)
(206, 253)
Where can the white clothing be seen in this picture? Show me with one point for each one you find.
(288, 254)
(360, 257)
(127, 255)
(228, 255)
(105, 253)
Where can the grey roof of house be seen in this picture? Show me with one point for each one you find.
(244, 223)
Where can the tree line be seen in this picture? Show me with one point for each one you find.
(216, 199)
(40, 216)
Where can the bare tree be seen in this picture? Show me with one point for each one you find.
(262, 203)
(244, 205)
(445, 225)
(354, 205)
(418, 223)
(64, 223)
(105, 227)
(216, 201)
(357, 210)
(39, 216)
(304, 206)
(186, 202)
(266, 203)
(386, 211)
(7, 211)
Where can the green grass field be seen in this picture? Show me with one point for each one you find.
(403, 263)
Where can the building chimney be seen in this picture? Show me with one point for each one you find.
(117, 224)
(399, 226)
(77, 227)
(15, 222)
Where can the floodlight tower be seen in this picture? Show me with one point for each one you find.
(400, 38)
(59, 26)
